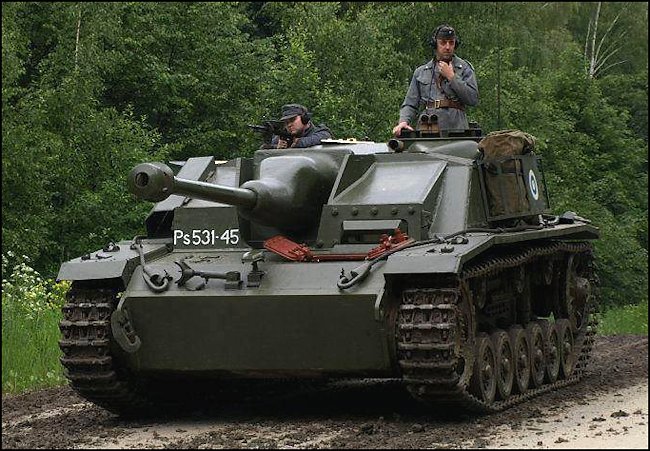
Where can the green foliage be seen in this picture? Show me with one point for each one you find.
(626, 319)
(31, 311)
(14, 51)
(65, 158)
(194, 71)
(91, 89)
(631, 96)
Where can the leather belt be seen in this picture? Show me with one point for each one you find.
(444, 103)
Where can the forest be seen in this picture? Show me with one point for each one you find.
(90, 89)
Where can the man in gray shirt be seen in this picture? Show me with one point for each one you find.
(444, 86)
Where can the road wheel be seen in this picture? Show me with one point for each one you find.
(521, 360)
(567, 348)
(552, 351)
(503, 356)
(537, 353)
(484, 382)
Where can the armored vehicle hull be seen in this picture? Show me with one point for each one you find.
(400, 269)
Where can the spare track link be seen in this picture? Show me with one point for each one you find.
(433, 338)
(86, 340)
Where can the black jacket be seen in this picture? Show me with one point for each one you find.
(312, 136)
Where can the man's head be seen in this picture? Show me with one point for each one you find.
(295, 117)
(445, 41)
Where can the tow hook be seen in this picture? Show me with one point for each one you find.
(156, 279)
(123, 331)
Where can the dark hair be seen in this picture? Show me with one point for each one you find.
(448, 30)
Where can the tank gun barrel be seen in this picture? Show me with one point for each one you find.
(288, 193)
(156, 181)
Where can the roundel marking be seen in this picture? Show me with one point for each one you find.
(532, 182)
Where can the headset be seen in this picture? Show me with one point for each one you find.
(305, 117)
(433, 42)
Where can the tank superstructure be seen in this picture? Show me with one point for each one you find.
(347, 259)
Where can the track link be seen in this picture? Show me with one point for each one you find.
(435, 337)
(86, 345)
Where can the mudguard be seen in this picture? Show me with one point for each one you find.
(112, 262)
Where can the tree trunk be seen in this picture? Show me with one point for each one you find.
(592, 59)
(76, 45)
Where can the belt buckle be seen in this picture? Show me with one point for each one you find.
(436, 103)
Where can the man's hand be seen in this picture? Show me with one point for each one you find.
(282, 144)
(446, 69)
(398, 128)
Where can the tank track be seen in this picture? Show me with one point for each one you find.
(87, 359)
(435, 337)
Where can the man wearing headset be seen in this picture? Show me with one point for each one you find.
(297, 121)
(444, 86)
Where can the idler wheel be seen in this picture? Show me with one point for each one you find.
(535, 337)
(552, 351)
(521, 360)
(505, 363)
(484, 382)
(567, 348)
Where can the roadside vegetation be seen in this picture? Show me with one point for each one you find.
(31, 311)
(627, 319)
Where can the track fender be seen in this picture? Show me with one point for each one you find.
(446, 257)
(111, 262)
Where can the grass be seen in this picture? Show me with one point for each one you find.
(30, 351)
(629, 319)
(31, 311)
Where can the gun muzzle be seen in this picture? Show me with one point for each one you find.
(396, 145)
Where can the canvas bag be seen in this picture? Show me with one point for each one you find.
(507, 193)
(504, 143)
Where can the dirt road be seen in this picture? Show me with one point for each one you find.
(607, 409)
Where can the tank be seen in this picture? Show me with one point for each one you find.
(418, 260)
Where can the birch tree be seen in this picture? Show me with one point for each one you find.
(608, 45)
